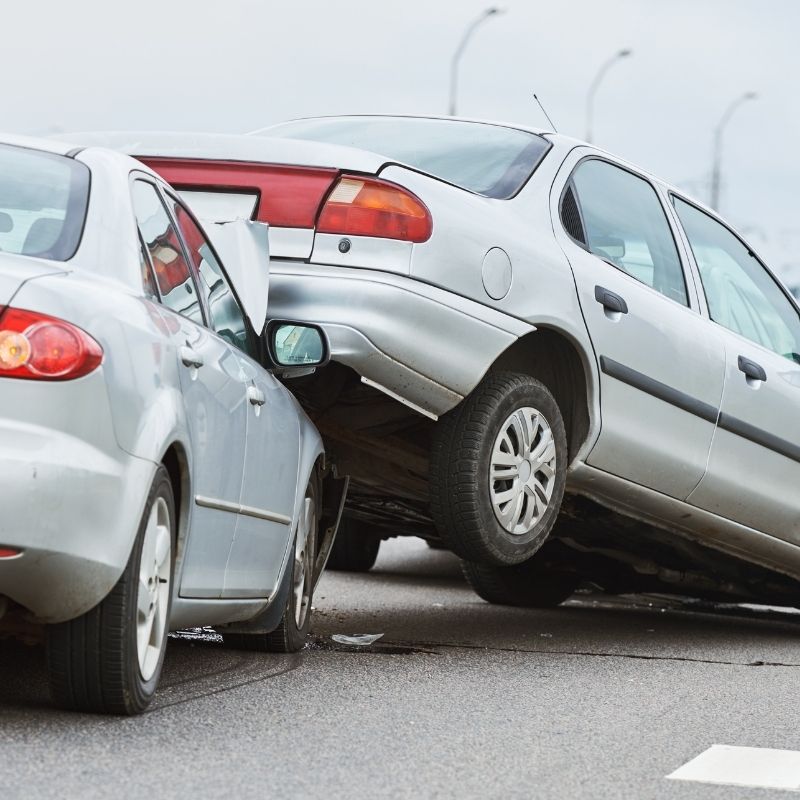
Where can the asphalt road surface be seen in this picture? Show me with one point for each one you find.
(601, 698)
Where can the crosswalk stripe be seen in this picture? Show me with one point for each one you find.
(756, 767)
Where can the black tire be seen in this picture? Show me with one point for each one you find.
(524, 585)
(436, 545)
(289, 636)
(461, 504)
(92, 661)
(355, 548)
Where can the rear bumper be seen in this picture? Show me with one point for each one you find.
(424, 345)
(72, 507)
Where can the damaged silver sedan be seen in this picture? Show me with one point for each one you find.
(154, 473)
(543, 358)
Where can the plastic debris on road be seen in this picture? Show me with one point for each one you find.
(357, 639)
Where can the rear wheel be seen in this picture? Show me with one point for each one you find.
(355, 548)
(525, 585)
(498, 469)
(109, 660)
(292, 631)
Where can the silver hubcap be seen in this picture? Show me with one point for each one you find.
(522, 470)
(154, 589)
(303, 564)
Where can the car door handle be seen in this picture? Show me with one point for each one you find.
(191, 358)
(255, 396)
(610, 300)
(751, 369)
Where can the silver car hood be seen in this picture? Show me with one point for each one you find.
(16, 270)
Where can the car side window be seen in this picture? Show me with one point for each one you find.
(741, 295)
(166, 253)
(148, 279)
(225, 316)
(617, 216)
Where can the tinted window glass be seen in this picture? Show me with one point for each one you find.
(625, 224)
(227, 318)
(166, 254)
(43, 199)
(741, 294)
(488, 159)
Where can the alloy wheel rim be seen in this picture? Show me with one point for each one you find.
(522, 470)
(303, 567)
(154, 588)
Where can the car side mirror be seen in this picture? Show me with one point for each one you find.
(296, 348)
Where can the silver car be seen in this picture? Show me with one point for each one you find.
(535, 345)
(154, 474)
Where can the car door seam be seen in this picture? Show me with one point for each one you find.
(698, 408)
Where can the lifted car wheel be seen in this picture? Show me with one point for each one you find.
(109, 660)
(498, 469)
(524, 585)
(355, 548)
(292, 631)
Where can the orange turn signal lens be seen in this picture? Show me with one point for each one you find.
(15, 349)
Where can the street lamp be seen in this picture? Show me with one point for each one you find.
(492, 11)
(717, 157)
(595, 83)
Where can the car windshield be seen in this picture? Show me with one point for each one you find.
(43, 199)
(491, 160)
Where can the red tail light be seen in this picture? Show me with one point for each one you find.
(289, 197)
(368, 207)
(9, 552)
(38, 347)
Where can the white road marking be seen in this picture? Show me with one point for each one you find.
(755, 767)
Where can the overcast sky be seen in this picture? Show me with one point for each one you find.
(242, 64)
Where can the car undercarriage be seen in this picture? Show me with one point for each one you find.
(383, 446)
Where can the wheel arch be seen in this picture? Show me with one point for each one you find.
(175, 460)
(560, 363)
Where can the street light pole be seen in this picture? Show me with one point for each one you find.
(489, 12)
(596, 83)
(717, 156)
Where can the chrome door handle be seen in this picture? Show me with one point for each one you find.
(191, 358)
(255, 396)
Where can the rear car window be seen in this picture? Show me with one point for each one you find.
(491, 160)
(166, 252)
(43, 200)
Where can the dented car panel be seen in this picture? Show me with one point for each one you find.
(659, 395)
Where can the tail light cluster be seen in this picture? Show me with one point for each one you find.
(368, 207)
(301, 197)
(38, 347)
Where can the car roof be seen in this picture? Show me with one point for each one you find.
(251, 147)
(440, 117)
(35, 143)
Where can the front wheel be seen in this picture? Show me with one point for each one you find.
(498, 469)
(109, 660)
(292, 631)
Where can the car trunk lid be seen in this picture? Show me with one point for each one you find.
(224, 178)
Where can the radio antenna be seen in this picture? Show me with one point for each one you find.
(545, 113)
